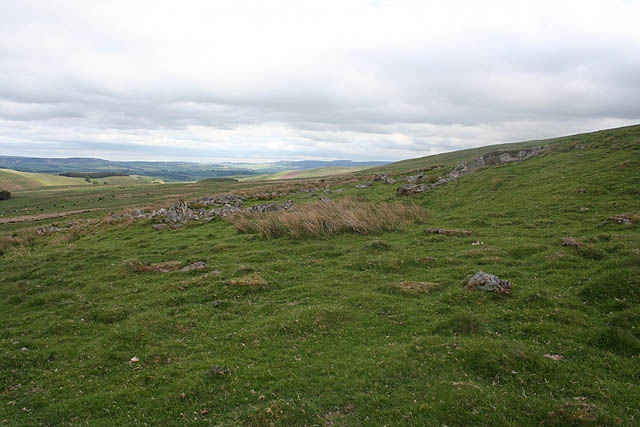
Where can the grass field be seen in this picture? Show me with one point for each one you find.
(308, 173)
(348, 328)
(18, 181)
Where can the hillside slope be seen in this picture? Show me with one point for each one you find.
(360, 328)
(18, 181)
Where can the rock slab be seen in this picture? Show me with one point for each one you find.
(489, 282)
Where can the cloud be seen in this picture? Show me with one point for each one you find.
(200, 80)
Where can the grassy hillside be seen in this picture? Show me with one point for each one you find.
(21, 181)
(309, 173)
(369, 328)
(17, 181)
(455, 157)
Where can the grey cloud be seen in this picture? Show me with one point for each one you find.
(89, 78)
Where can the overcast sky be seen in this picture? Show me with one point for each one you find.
(269, 80)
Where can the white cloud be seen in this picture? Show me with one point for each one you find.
(300, 79)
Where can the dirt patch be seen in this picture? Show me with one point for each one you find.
(40, 217)
(162, 267)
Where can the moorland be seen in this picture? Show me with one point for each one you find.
(332, 300)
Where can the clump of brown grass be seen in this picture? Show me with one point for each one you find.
(162, 267)
(326, 218)
(252, 280)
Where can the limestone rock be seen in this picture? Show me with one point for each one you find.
(489, 282)
(384, 179)
(407, 189)
(365, 184)
(178, 213)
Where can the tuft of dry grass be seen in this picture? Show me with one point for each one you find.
(162, 267)
(252, 280)
(320, 219)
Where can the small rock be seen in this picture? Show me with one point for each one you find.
(477, 243)
(24, 349)
(489, 282)
(134, 360)
(620, 219)
(407, 189)
(365, 184)
(159, 227)
(218, 371)
(582, 190)
(324, 199)
(571, 241)
(200, 265)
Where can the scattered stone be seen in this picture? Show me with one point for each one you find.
(138, 213)
(195, 266)
(159, 227)
(219, 303)
(176, 226)
(407, 189)
(477, 243)
(218, 371)
(582, 190)
(24, 349)
(134, 359)
(384, 179)
(621, 219)
(580, 147)
(448, 232)
(489, 282)
(365, 184)
(414, 178)
(51, 229)
(339, 190)
(324, 199)
(571, 241)
(178, 213)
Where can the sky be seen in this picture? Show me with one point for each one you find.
(270, 80)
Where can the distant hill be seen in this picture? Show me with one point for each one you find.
(19, 181)
(168, 171)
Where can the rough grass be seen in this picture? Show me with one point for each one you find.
(329, 339)
(321, 219)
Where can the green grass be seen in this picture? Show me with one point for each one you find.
(308, 173)
(17, 181)
(349, 329)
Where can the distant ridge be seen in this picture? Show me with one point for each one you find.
(169, 171)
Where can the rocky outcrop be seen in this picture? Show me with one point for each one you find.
(384, 179)
(493, 158)
(489, 282)
(178, 213)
